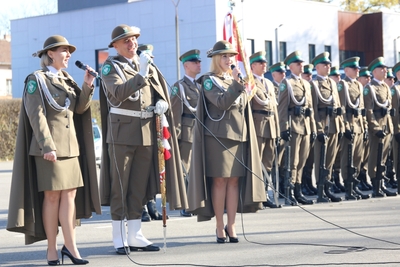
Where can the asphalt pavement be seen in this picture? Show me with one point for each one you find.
(349, 233)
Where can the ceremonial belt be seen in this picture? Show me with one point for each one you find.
(186, 115)
(383, 111)
(264, 112)
(355, 111)
(330, 111)
(132, 113)
(298, 111)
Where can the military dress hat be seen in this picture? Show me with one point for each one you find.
(148, 48)
(280, 67)
(377, 63)
(191, 55)
(334, 71)
(54, 41)
(351, 63)
(364, 72)
(321, 58)
(221, 47)
(308, 68)
(396, 68)
(123, 31)
(389, 73)
(258, 57)
(293, 57)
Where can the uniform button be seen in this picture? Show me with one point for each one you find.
(67, 126)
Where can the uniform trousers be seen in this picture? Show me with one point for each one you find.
(357, 154)
(300, 148)
(130, 170)
(266, 147)
(331, 151)
(364, 162)
(373, 152)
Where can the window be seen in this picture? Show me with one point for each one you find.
(311, 52)
(101, 56)
(8, 87)
(328, 49)
(268, 52)
(343, 54)
(250, 46)
(282, 51)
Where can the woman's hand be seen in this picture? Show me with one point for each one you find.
(51, 156)
(88, 78)
(236, 73)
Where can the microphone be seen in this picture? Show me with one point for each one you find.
(82, 66)
(240, 75)
(138, 52)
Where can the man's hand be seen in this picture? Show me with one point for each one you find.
(380, 134)
(322, 138)
(285, 135)
(349, 135)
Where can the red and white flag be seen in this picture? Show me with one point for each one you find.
(231, 34)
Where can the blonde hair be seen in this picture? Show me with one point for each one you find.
(215, 67)
(45, 60)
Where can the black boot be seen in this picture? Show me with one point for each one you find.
(299, 196)
(270, 204)
(387, 192)
(153, 212)
(376, 188)
(357, 191)
(321, 194)
(145, 215)
(363, 185)
(307, 179)
(291, 200)
(393, 182)
(338, 184)
(327, 190)
(305, 190)
(349, 190)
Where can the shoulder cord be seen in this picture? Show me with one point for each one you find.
(52, 103)
(294, 100)
(328, 101)
(347, 99)
(182, 90)
(262, 102)
(205, 104)
(382, 105)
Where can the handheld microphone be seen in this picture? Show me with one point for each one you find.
(240, 75)
(82, 66)
(138, 52)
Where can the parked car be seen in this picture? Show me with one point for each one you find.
(97, 141)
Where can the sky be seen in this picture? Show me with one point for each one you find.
(15, 9)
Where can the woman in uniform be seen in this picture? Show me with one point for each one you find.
(222, 146)
(57, 121)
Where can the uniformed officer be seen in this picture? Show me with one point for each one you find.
(334, 74)
(328, 118)
(265, 115)
(307, 186)
(364, 78)
(395, 90)
(130, 169)
(278, 73)
(352, 101)
(184, 95)
(295, 106)
(378, 103)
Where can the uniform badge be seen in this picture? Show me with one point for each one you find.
(31, 86)
(340, 87)
(208, 84)
(106, 69)
(174, 91)
(393, 91)
(282, 87)
(366, 91)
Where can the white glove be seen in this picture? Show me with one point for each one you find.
(144, 61)
(161, 107)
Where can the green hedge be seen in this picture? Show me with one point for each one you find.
(9, 118)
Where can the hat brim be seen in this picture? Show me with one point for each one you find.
(194, 60)
(123, 36)
(219, 52)
(71, 48)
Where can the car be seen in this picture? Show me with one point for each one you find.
(97, 141)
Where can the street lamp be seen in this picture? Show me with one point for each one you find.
(395, 49)
(276, 42)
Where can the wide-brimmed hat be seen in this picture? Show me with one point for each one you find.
(123, 31)
(54, 41)
(222, 47)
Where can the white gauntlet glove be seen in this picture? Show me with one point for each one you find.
(161, 107)
(144, 61)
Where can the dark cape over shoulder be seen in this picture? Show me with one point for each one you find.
(25, 207)
(251, 187)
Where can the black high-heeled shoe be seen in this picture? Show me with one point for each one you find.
(53, 262)
(231, 238)
(220, 239)
(65, 251)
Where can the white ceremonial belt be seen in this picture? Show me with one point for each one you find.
(132, 113)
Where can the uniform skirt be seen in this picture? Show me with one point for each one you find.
(63, 174)
(220, 162)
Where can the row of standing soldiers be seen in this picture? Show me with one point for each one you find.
(344, 127)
